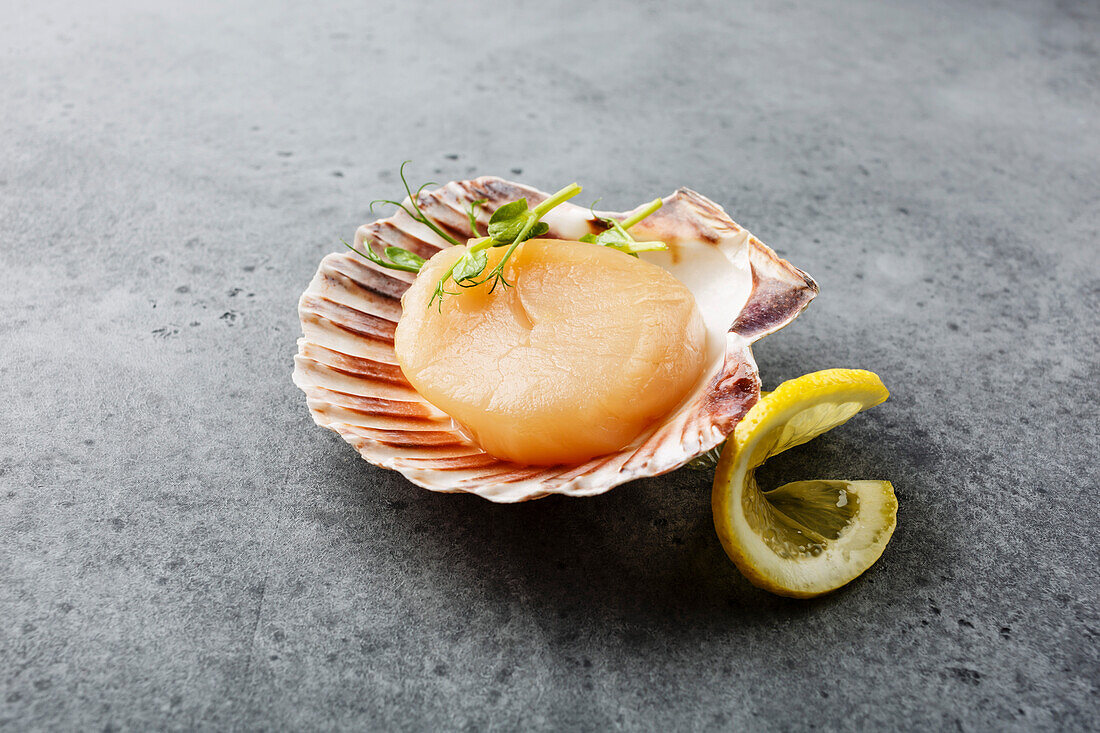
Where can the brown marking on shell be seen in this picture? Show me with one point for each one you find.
(311, 373)
(732, 392)
(350, 319)
(347, 368)
(367, 276)
(354, 365)
(777, 295)
(389, 234)
(413, 415)
(683, 216)
(459, 463)
(414, 438)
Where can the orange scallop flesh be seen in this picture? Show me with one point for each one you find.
(587, 349)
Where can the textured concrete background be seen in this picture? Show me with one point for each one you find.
(181, 547)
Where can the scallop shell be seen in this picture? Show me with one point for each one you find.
(347, 367)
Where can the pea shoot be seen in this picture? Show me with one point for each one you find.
(509, 226)
(617, 237)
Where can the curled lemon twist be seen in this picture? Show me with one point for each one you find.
(807, 537)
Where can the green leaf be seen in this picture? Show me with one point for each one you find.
(399, 259)
(508, 221)
(537, 231)
(608, 238)
(506, 231)
(405, 258)
(511, 210)
(470, 265)
(513, 237)
(614, 238)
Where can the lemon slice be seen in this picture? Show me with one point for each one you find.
(808, 537)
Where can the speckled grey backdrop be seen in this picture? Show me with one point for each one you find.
(180, 547)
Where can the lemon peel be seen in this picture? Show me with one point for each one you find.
(807, 537)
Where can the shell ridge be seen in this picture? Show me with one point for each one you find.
(367, 275)
(358, 322)
(368, 286)
(356, 365)
(393, 235)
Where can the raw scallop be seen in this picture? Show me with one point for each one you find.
(586, 349)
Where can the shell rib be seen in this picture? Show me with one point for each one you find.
(347, 367)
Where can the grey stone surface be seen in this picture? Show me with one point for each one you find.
(180, 547)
